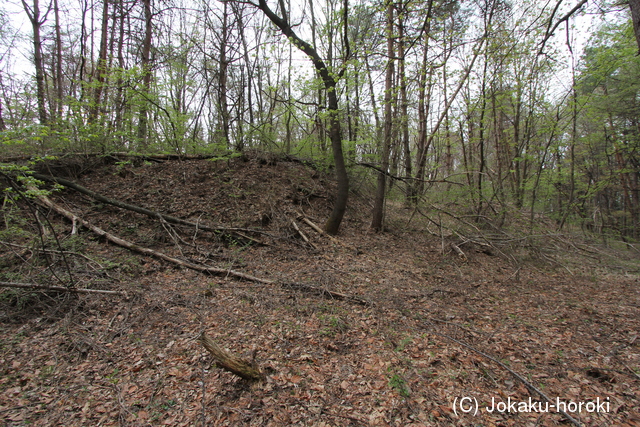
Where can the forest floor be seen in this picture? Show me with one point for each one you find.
(418, 345)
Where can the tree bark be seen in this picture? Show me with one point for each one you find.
(101, 69)
(332, 226)
(58, 71)
(635, 17)
(404, 110)
(3, 126)
(230, 362)
(36, 24)
(424, 97)
(223, 102)
(143, 121)
(378, 207)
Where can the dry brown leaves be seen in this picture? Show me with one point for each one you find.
(136, 362)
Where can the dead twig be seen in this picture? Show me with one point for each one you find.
(304, 237)
(517, 376)
(60, 288)
(320, 231)
(148, 212)
(457, 325)
(53, 251)
(457, 250)
(202, 268)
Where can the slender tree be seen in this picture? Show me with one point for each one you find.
(378, 204)
(143, 121)
(330, 81)
(100, 71)
(37, 20)
(634, 5)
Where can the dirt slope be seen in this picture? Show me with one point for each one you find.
(566, 321)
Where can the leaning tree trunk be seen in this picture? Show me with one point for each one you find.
(335, 132)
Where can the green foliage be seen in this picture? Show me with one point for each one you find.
(31, 139)
(608, 156)
(223, 153)
(333, 325)
(402, 344)
(397, 382)
(23, 175)
(113, 376)
(121, 165)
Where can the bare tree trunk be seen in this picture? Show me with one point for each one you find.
(423, 107)
(572, 147)
(83, 48)
(378, 207)
(223, 102)
(36, 24)
(635, 16)
(143, 121)
(287, 138)
(58, 80)
(332, 225)
(3, 125)
(319, 123)
(372, 95)
(249, 78)
(481, 142)
(120, 100)
(101, 69)
(404, 111)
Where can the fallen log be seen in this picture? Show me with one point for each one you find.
(230, 362)
(145, 211)
(202, 268)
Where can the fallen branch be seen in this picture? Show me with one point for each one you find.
(326, 293)
(51, 251)
(461, 254)
(60, 288)
(230, 362)
(322, 232)
(517, 376)
(148, 212)
(304, 237)
(406, 178)
(202, 268)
